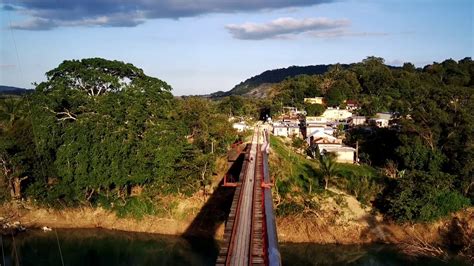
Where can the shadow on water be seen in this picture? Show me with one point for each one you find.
(101, 247)
(303, 254)
(213, 213)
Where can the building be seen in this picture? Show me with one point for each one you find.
(290, 111)
(381, 119)
(286, 129)
(344, 154)
(319, 137)
(357, 120)
(316, 120)
(314, 100)
(352, 105)
(336, 114)
(240, 126)
(280, 130)
(312, 128)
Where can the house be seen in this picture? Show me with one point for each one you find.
(336, 114)
(240, 126)
(352, 105)
(286, 129)
(344, 154)
(381, 119)
(319, 137)
(357, 120)
(312, 128)
(291, 111)
(294, 130)
(320, 120)
(280, 130)
(314, 100)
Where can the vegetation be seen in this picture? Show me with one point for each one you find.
(327, 163)
(272, 76)
(100, 131)
(314, 109)
(427, 155)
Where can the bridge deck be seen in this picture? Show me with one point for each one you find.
(245, 232)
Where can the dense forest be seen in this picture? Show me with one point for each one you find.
(102, 132)
(99, 131)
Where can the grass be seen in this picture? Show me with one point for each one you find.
(299, 178)
(362, 181)
(293, 172)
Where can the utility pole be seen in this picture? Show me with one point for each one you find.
(357, 152)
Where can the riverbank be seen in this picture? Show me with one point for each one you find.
(320, 229)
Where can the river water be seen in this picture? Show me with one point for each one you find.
(105, 247)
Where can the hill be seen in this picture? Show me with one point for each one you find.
(9, 90)
(259, 84)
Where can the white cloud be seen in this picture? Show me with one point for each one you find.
(283, 28)
(344, 33)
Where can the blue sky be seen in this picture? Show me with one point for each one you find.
(209, 45)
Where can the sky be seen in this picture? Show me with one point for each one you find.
(203, 46)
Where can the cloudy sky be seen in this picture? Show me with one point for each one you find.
(201, 46)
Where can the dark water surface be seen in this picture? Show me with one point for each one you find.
(105, 247)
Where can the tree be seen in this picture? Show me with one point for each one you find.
(327, 163)
(103, 126)
(314, 109)
(17, 152)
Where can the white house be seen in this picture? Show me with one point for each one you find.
(357, 120)
(280, 130)
(319, 137)
(313, 128)
(286, 129)
(344, 154)
(240, 126)
(316, 120)
(336, 114)
(381, 119)
(294, 130)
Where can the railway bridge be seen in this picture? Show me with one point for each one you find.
(250, 236)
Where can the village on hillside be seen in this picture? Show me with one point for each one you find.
(326, 131)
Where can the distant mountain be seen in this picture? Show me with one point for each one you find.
(259, 86)
(9, 90)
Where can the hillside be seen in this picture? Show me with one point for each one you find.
(9, 90)
(259, 84)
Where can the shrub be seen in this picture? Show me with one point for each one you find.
(135, 207)
(421, 196)
(289, 208)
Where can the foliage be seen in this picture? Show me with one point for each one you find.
(135, 207)
(362, 181)
(420, 196)
(327, 163)
(99, 128)
(314, 109)
(292, 171)
(272, 76)
(432, 135)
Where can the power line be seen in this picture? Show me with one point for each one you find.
(59, 246)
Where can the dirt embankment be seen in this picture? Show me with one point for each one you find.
(352, 225)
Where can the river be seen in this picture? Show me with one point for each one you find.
(106, 247)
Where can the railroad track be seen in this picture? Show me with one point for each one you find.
(243, 235)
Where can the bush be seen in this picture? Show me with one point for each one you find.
(289, 208)
(135, 207)
(421, 196)
(363, 182)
